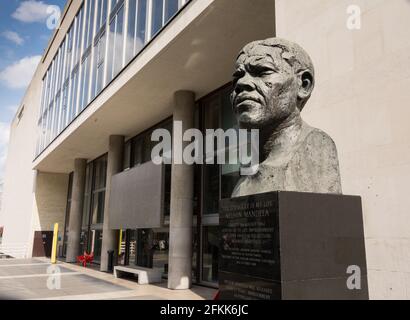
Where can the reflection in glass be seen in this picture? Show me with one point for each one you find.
(99, 55)
(96, 244)
(115, 46)
(137, 16)
(152, 248)
(211, 188)
(122, 247)
(84, 242)
(98, 207)
(131, 246)
(210, 251)
(171, 7)
(157, 12)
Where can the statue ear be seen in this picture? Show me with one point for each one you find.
(306, 84)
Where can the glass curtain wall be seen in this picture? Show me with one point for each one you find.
(93, 208)
(60, 83)
(147, 247)
(99, 44)
(104, 36)
(67, 215)
(218, 181)
(115, 58)
(96, 214)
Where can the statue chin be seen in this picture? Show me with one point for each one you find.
(247, 121)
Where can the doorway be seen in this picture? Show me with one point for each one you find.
(43, 242)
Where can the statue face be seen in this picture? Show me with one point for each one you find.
(265, 88)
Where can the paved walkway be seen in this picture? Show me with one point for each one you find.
(38, 279)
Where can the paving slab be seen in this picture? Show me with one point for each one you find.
(30, 279)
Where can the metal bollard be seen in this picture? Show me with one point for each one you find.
(110, 260)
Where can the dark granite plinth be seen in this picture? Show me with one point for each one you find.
(290, 245)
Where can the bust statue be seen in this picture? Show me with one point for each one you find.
(273, 80)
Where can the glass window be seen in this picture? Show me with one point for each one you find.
(118, 42)
(85, 81)
(127, 155)
(99, 56)
(211, 188)
(113, 4)
(44, 130)
(100, 173)
(129, 42)
(84, 242)
(211, 171)
(147, 146)
(98, 207)
(96, 244)
(101, 14)
(73, 95)
(137, 17)
(122, 247)
(53, 79)
(64, 107)
(49, 122)
(171, 7)
(141, 25)
(69, 39)
(137, 151)
(56, 115)
(78, 35)
(67, 213)
(145, 248)
(87, 196)
(219, 180)
(131, 246)
(61, 65)
(89, 23)
(167, 190)
(116, 45)
(157, 16)
(230, 173)
(210, 253)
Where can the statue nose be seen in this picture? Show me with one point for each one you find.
(244, 84)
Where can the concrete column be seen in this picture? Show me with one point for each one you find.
(114, 165)
(182, 192)
(76, 210)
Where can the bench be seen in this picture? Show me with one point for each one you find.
(145, 275)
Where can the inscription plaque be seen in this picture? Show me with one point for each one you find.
(290, 245)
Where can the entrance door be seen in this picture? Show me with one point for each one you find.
(43, 242)
(145, 248)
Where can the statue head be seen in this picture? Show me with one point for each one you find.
(273, 80)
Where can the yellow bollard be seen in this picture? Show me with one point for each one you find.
(54, 248)
(119, 246)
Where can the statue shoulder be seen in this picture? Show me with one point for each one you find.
(317, 139)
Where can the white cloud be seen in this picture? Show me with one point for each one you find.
(14, 37)
(19, 74)
(31, 11)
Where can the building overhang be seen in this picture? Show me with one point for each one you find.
(195, 52)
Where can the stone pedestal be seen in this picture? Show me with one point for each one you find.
(290, 245)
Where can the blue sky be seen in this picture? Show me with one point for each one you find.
(24, 34)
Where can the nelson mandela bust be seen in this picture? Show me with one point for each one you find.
(273, 80)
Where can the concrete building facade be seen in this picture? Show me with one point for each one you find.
(116, 70)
